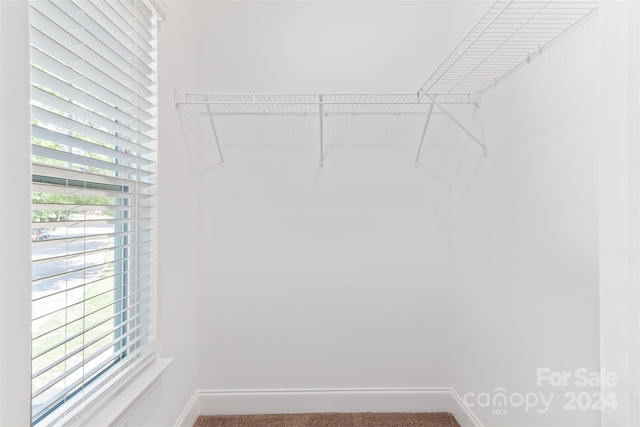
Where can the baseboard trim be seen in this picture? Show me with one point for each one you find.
(190, 412)
(466, 413)
(291, 401)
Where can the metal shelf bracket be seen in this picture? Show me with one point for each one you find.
(321, 115)
(215, 135)
(460, 125)
(424, 133)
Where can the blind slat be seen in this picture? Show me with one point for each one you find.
(39, 59)
(120, 15)
(125, 153)
(85, 116)
(45, 317)
(62, 123)
(70, 59)
(89, 224)
(90, 163)
(81, 285)
(72, 273)
(75, 207)
(66, 90)
(88, 344)
(85, 361)
(93, 51)
(56, 172)
(53, 402)
(73, 255)
(85, 267)
(112, 34)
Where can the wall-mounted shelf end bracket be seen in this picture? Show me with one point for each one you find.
(424, 133)
(179, 97)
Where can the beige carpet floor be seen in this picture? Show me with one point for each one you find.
(365, 419)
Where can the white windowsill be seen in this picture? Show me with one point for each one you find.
(118, 406)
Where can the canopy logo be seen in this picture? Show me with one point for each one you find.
(499, 399)
(583, 393)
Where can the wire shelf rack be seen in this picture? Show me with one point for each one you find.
(329, 104)
(507, 36)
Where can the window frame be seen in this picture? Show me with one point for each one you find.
(129, 259)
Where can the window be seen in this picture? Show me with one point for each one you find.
(93, 198)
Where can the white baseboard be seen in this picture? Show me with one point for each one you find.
(292, 401)
(190, 412)
(464, 413)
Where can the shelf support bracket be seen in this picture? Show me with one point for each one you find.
(424, 133)
(215, 134)
(460, 125)
(321, 111)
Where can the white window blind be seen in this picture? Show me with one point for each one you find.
(93, 74)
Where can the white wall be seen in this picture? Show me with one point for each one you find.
(323, 278)
(619, 207)
(321, 46)
(15, 207)
(525, 235)
(329, 278)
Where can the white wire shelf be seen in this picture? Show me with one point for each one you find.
(507, 36)
(322, 105)
(329, 104)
